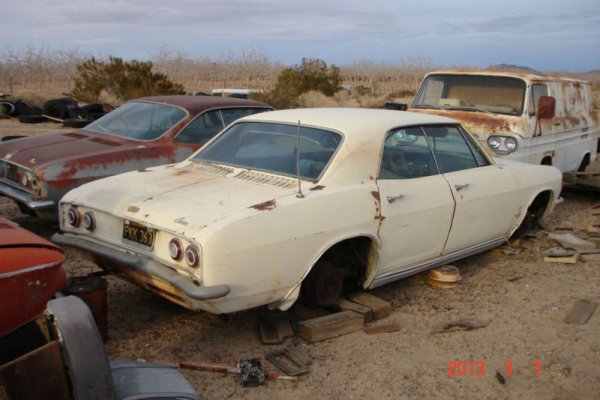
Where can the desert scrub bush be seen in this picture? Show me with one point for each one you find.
(401, 93)
(292, 82)
(121, 79)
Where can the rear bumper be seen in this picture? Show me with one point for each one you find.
(143, 266)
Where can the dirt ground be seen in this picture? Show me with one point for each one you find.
(524, 299)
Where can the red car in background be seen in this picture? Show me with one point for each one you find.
(37, 171)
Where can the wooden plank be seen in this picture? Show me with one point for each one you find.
(381, 308)
(385, 328)
(329, 326)
(566, 260)
(303, 312)
(344, 305)
(581, 312)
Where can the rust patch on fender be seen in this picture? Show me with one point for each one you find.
(133, 209)
(266, 206)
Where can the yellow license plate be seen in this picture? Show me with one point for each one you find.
(138, 233)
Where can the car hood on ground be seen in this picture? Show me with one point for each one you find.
(36, 151)
(176, 198)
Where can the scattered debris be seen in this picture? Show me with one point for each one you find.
(290, 361)
(385, 328)
(589, 179)
(275, 327)
(251, 370)
(329, 326)
(343, 305)
(460, 325)
(556, 251)
(444, 277)
(500, 378)
(566, 260)
(380, 308)
(581, 312)
(303, 312)
(515, 278)
(571, 241)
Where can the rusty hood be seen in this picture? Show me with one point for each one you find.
(176, 198)
(40, 150)
(481, 124)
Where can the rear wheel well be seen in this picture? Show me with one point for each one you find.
(535, 211)
(585, 162)
(353, 257)
(546, 161)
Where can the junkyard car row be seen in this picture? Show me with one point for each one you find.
(296, 202)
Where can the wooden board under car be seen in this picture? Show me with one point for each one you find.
(331, 325)
(381, 308)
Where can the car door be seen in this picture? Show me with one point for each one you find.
(486, 195)
(416, 202)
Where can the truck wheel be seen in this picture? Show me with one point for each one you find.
(584, 163)
(323, 285)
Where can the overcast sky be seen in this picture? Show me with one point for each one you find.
(547, 35)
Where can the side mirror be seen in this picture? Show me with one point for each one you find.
(546, 107)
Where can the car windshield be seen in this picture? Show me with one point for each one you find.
(271, 147)
(489, 94)
(139, 120)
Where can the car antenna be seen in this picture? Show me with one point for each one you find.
(299, 195)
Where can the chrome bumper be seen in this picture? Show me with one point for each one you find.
(144, 265)
(25, 198)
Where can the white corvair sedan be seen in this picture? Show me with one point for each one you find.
(300, 202)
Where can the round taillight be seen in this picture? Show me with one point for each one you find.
(175, 249)
(89, 221)
(192, 258)
(73, 217)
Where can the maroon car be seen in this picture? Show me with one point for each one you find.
(30, 274)
(37, 171)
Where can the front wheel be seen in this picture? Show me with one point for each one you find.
(323, 285)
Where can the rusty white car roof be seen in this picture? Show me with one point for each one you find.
(359, 123)
(531, 76)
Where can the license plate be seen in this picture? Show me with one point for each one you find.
(138, 233)
(11, 172)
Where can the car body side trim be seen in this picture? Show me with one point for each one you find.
(399, 274)
(144, 265)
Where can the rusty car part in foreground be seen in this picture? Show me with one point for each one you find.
(37, 171)
(30, 274)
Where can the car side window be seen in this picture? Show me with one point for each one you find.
(231, 114)
(406, 155)
(202, 129)
(537, 91)
(452, 151)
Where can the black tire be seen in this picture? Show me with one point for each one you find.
(78, 113)
(8, 108)
(323, 285)
(56, 108)
(31, 119)
(75, 123)
(69, 101)
(93, 108)
(584, 163)
(24, 108)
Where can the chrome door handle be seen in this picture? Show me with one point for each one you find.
(392, 199)
(461, 187)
